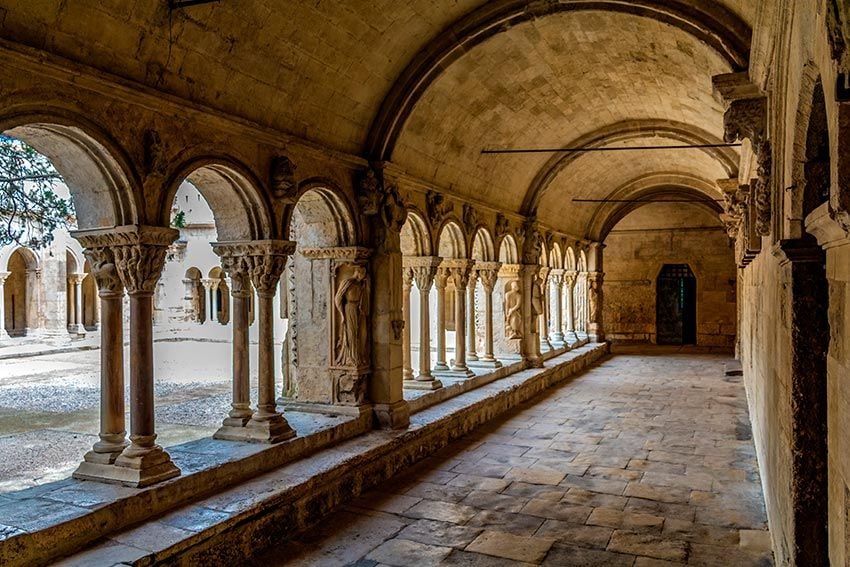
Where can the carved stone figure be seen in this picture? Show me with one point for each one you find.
(352, 305)
(594, 298)
(513, 311)
(437, 208)
(470, 218)
(761, 194)
(282, 176)
(501, 228)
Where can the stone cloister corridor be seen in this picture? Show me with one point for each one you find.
(642, 460)
(425, 282)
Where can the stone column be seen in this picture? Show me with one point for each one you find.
(265, 261)
(489, 275)
(440, 281)
(208, 312)
(407, 285)
(4, 335)
(595, 326)
(569, 296)
(460, 277)
(556, 278)
(471, 330)
(99, 463)
(77, 324)
(214, 283)
(236, 266)
(543, 319)
(424, 269)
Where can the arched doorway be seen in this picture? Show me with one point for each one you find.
(676, 305)
(19, 294)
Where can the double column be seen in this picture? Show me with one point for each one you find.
(569, 298)
(76, 307)
(422, 270)
(458, 270)
(133, 256)
(262, 262)
(488, 273)
(543, 318)
(556, 279)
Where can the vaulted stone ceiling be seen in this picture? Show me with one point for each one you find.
(542, 74)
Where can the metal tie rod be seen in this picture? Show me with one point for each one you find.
(605, 149)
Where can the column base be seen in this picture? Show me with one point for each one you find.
(144, 470)
(471, 357)
(485, 363)
(454, 373)
(432, 384)
(325, 409)
(392, 416)
(268, 430)
(441, 367)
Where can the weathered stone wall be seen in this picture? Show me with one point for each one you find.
(638, 248)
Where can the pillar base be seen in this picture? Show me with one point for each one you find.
(392, 416)
(441, 367)
(432, 384)
(325, 409)
(484, 363)
(454, 373)
(269, 430)
(137, 472)
(471, 358)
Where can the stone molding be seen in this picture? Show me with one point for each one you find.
(826, 229)
(336, 253)
(421, 261)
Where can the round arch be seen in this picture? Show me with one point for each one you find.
(32, 260)
(483, 249)
(232, 192)
(508, 252)
(570, 259)
(622, 132)
(709, 22)
(556, 258)
(94, 167)
(320, 217)
(450, 241)
(645, 190)
(415, 235)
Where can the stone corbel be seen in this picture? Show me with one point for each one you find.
(282, 179)
(746, 117)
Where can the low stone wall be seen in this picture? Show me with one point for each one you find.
(267, 510)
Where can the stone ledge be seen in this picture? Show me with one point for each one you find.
(229, 526)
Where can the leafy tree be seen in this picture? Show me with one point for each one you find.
(30, 209)
(179, 220)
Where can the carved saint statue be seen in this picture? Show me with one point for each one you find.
(513, 315)
(352, 304)
(594, 298)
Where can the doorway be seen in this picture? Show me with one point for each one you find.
(676, 306)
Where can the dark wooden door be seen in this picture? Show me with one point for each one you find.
(675, 305)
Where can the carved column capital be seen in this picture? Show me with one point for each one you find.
(441, 277)
(407, 279)
(260, 260)
(138, 252)
(3, 276)
(556, 275)
(77, 278)
(570, 278)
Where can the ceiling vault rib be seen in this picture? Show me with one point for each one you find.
(606, 149)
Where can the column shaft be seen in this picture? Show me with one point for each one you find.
(407, 370)
(266, 402)
(424, 336)
(241, 411)
(142, 431)
(78, 302)
(112, 426)
(440, 364)
(460, 324)
(471, 331)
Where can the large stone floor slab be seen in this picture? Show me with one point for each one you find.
(642, 460)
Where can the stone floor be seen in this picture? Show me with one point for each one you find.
(644, 460)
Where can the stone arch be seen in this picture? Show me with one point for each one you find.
(570, 259)
(621, 132)
(556, 257)
(232, 192)
(33, 261)
(581, 265)
(482, 246)
(415, 235)
(710, 23)
(20, 292)
(320, 217)
(221, 305)
(508, 252)
(811, 163)
(648, 189)
(104, 186)
(451, 242)
(195, 305)
(543, 259)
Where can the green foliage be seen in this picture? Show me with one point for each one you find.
(30, 209)
(179, 220)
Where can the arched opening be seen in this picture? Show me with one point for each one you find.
(508, 250)
(676, 305)
(326, 302)
(482, 246)
(415, 237)
(450, 245)
(219, 296)
(20, 293)
(195, 301)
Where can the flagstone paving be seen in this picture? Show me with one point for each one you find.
(643, 460)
